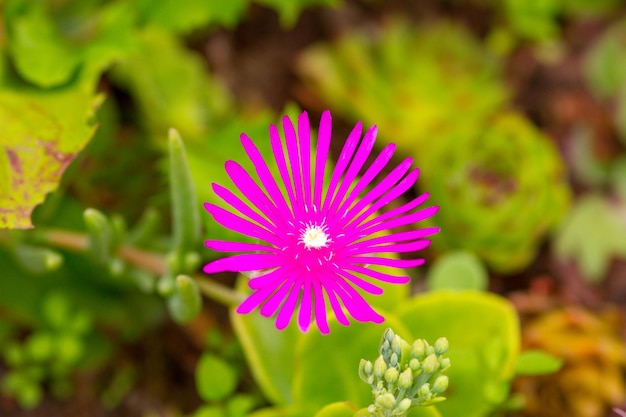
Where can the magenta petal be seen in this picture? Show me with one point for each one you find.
(355, 303)
(286, 312)
(279, 154)
(404, 220)
(393, 248)
(291, 141)
(250, 189)
(305, 272)
(254, 300)
(361, 283)
(398, 237)
(237, 204)
(305, 314)
(381, 276)
(320, 309)
(275, 300)
(323, 145)
(342, 163)
(268, 279)
(226, 246)
(236, 223)
(264, 174)
(245, 262)
(394, 263)
(364, 150)
(381, 161)
(392, 214)
(304, 145)
(336, 307)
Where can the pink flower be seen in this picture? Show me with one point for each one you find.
(316, 243)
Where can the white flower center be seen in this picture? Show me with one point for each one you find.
(315, 237)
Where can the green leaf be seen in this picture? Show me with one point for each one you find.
(215, 378)
(592, 234)
(289, 11)
(458, 271)
(171, 86)
(537, 362)
(240, 405)
(210, 411)
(270, 353)
(328, 364)
(338, 409)
(424, 412)
(483, 332)
(39, 52)
(605, 64)
(182, 16)
(186, 302)
(289, 411)
(207, 157)
(42, 132)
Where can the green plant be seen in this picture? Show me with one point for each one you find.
(500, 191)
(411, 82)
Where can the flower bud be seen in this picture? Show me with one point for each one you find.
(406, 379)
(403, 407)
(386, 401)
(418, 349)
(444, 363)
(365, 369)
(396, 345)
(391, 375)
(440, 384)
(393, 361)
(424, 393)
(430, 364)
(441, 346)
(414, 364)
(380, 367)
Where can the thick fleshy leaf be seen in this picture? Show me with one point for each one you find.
(338, 409)
(483, 332)
(290, 411)
(537, 362)
(42, 132)
(458, 271)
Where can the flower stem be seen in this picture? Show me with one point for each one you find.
(151, 261)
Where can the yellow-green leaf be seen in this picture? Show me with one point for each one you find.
(42, 132)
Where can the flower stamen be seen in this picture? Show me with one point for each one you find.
(315, 236)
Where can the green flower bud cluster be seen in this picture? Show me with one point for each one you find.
(405, 375)
(500, 190)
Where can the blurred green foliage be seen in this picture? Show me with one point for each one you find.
(500, 191)
(414, 84)
(438, 94)
(436, 91)
(606, 72)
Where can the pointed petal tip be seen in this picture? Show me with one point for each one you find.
(378, 319)
(212, 268)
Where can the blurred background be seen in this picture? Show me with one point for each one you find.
(514, 110)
